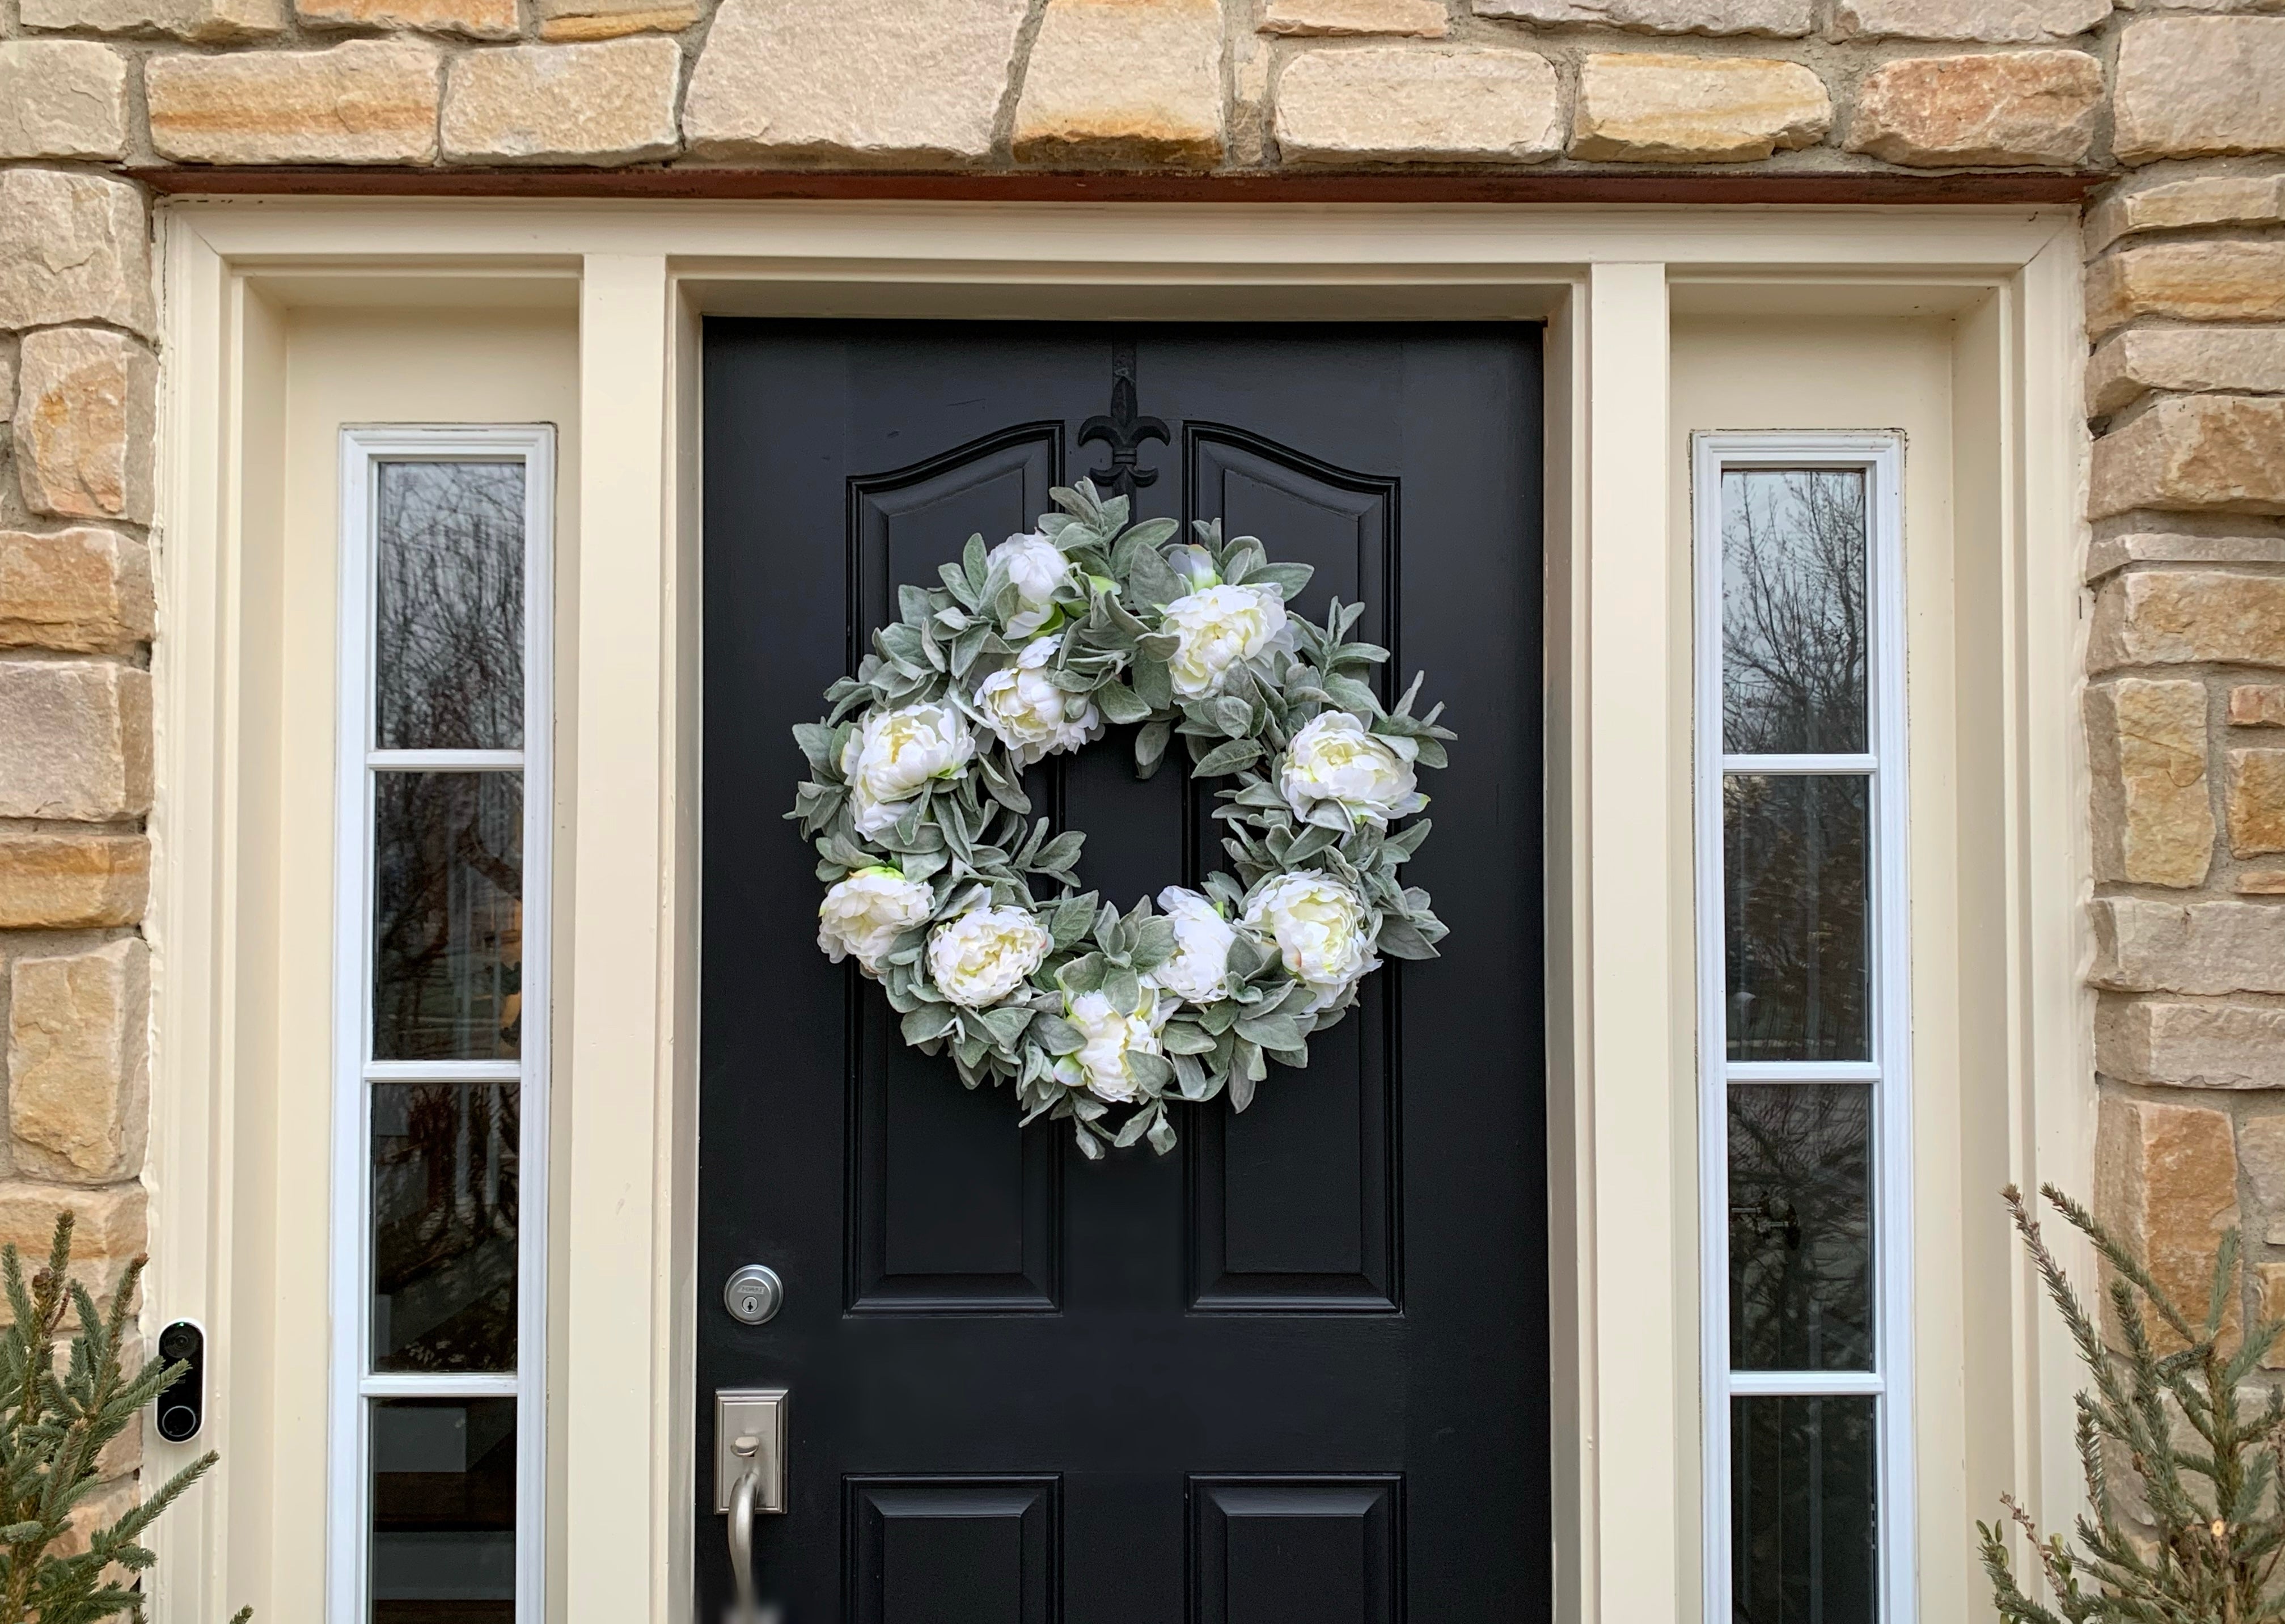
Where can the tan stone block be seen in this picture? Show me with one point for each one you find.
(2166, 1185)
(2153, 814)
(1420, 18)
(2181, 205)
(2146, 946)
(1994, 22)
(2020, 107)
(108, 1225)
(1124, 82)
(903, 84)
(2261, 1153)
(2256, 805)
(2165, 1044)
(103, 1507)
(2220, 452)
(1386, 103)
(602, 19)
(73, 248)
(477, 19)
(2261, 883)
(75, 740)
(2257, 704)
(57, 881)
(2113, 553)
(1650, 108)
(2193, 86)
(86, 412)
(367, 101)
(2187, 360)
(2181, 616)
(2189, 281)
(1782, 18)
(79, 1079)
(2269, 1279)
(608, 102)
(62, 99)
(206, 22)
(84, 589)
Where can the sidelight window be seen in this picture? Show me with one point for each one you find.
(441, 1029)
(1803, 1050)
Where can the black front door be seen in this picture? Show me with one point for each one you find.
(1297, 1370)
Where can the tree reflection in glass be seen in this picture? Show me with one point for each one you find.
(1793, 641)
(448, 915)
(1800, 1227)
(1798, 962)
(448, 629)
(444, 1197)
(1803, 1484)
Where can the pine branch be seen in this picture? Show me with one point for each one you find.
(2209, 1550)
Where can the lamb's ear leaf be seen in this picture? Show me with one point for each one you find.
(929, 1022)
(1121, 704)
(1401, 938)
(1151, 745)
(972, 560)
(1228, 757)
(1289, 580)
(1074, 918)
(1162, 1131)
(1149, 578)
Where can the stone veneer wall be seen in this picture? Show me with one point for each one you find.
(2181, 103)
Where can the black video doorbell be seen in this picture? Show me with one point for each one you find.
(182, 1403)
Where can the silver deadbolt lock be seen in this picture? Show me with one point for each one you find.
(754, 1294)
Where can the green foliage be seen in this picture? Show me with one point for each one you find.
(52, 1428)
(971, 837)
(2208, 1473)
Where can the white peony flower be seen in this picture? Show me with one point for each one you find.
(865, 914)
(1321, 929)
(1032, 715)
(1335, 761)
(1036, 569)
(1216, 627)
(1100, 1067)
(892, 756)
(984, 955)
(1199, 970)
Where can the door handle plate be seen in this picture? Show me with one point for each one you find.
(759, 1413)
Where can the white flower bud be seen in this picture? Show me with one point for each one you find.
(1335, 761)
(863, 915)
(984, 955)
(1030, 714)
(892, 756)
(1037, 568)
(1199, 972)
(1217, 627)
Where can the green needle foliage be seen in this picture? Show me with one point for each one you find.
(2208, 1472)
(52, 1428)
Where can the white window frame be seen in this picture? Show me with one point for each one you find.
(1880, 457)
(349, 1477)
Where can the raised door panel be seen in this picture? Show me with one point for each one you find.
(953, 1207)
(1294, 1201)
(934, 1550)
(1297, 1551)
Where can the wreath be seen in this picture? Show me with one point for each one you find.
(924, 835)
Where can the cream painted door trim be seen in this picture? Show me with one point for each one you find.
(1620, 995)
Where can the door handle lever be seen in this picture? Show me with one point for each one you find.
(745, 1610)
(750, 1451)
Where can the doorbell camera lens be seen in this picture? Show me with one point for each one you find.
(182, 1403)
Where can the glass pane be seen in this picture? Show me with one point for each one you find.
(1800, 1227)
(1793, 875)
(1793, 610)
(448, 606)
(1801, 1504)
(444, 1511)
(448, 915)
(443, 1222)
